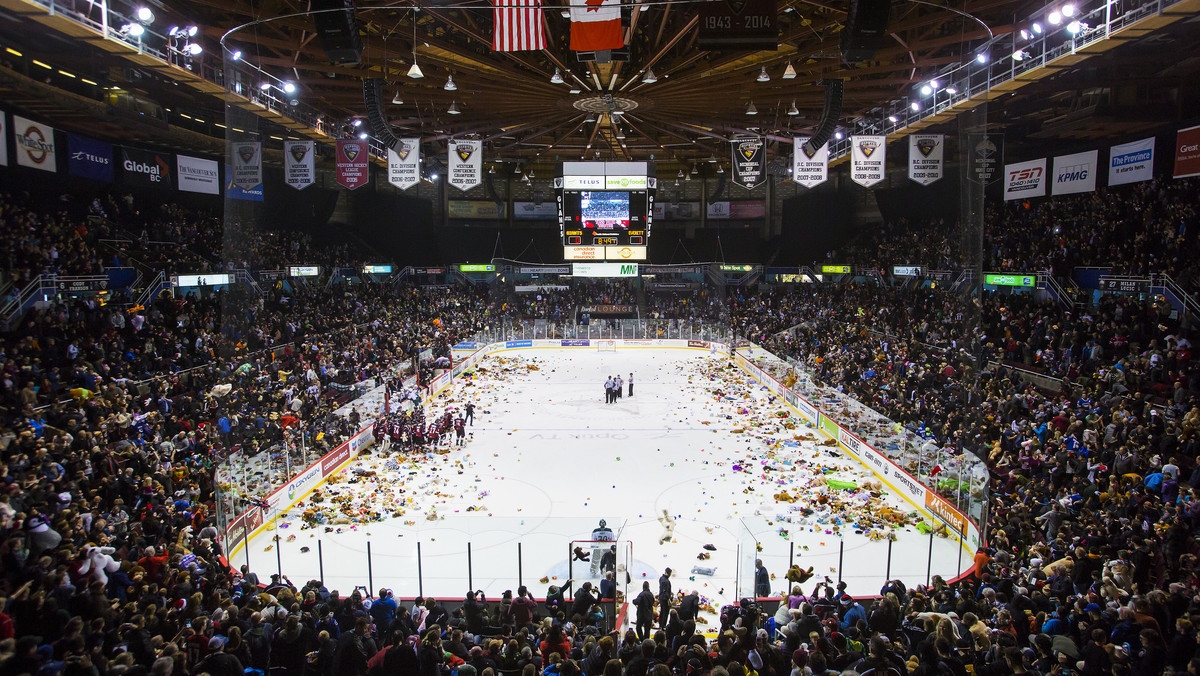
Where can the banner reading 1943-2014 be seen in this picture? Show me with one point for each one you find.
(404, 163)
(868, 156)
(466, 164)
(247, 164)
(809, 170)
(299, 165)
(749, 162)
(353, 168)
(925, 153)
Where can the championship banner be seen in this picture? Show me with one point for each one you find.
(89, 158)
(809, 170)
(466, 164)
(299, 163)
(404, 163)
(3, 139)
(1025, 179)
(247, 164)
(749, 162)
(925, 157)
(867, 159)
(985, 158)
(353, 169)
(145, 168)
(1131, 162)
(197, 175)
(34, 144)
(1187, 152)
(1075, 173)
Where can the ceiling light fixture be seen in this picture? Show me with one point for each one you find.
(1037, 28)
(415, 71)
(453, 109)
(264, 86)
(1068, 10)
(237, 56)
(1055, 18)
(362, 136)
(396, 99)
(981, 57)
(289, 87)
(557, 77)
(751, 110)
(793, 111)
(196, 50)
(789, 73)
(893, 119)
(450, 86)
(763, 75)
(145, 15)
(838, 135)
(926, 90)
(720, 169)
(649, 77)
(916, 106)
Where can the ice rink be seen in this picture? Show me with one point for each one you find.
(547, 458)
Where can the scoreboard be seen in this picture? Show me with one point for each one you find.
(605, 210)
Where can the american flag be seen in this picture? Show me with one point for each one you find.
(518, 26)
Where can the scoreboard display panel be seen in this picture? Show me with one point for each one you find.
(605, 210)
(604, 218)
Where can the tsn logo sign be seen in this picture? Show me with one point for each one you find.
(1025, 179)
(1030, 174)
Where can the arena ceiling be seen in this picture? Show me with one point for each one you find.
(699, 100)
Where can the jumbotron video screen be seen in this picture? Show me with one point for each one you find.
(605, 216)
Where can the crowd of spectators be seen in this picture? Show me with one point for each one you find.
(113, 418)
(1137, 230)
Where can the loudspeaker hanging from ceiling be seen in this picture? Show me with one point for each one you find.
(373, 102)
(866, 28)
(829, 116)
(338, 31)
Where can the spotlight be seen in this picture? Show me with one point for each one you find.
(793, 110)
(789, 73)
(433, 176)
(264, 86)
(173, 31)
(362, 136)
(1068, 10)
(926, 90)
(837, 135)
(763, 75)
(1037, 28)
(751, 110)
(915, 106)
(933, 83)
(195, 49)
(1024, 34)
(357, 123)
(453, 109)
(893, 119)
(415, 71)
(1019, 55)
(1075, 27)
(981, 57)
(192, 30)
(289, 88)
(237, 56)
(396, 99)
(649, 77)
(145, 15)
(450, 86)
(557, 77)
(1055, 18)
(133, 30)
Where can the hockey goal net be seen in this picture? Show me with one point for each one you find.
(606, 345)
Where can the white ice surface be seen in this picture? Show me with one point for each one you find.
(553, 459)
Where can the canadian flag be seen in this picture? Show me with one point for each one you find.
(596, 25)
